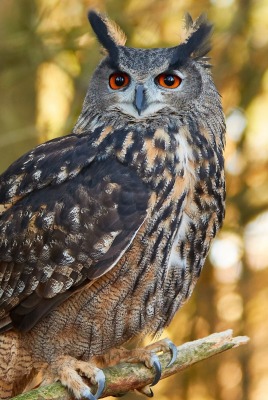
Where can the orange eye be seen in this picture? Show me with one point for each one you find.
(168, 81)
(118, 80)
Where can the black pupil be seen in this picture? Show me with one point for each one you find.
(169, 80)
(119, 80)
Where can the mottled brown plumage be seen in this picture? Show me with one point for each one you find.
(104, 232)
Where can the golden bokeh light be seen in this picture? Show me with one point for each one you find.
(47, 55)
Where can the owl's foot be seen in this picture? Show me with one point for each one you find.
(69, 372)
(162, 346)
(147, 355)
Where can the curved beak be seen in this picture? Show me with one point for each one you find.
(140, 101)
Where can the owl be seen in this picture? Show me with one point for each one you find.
(104, 232)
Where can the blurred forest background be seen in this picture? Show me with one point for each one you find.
(47, 54)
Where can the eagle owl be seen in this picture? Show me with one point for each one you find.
(104, 232)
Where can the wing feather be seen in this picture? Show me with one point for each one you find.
(59, 235)
(52, 162)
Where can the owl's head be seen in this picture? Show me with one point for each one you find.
(143, 83)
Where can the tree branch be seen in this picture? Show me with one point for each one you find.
(125, 377)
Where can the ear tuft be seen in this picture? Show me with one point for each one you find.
(108, 33)
(188, 22)
(198, 43)
(116, 33)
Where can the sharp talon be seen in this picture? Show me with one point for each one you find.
(174, 352)
(100, 378)
(147, 391)
(88, 395)
(158, 369)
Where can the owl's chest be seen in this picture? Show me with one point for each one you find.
(186, 204)
(185, 207)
